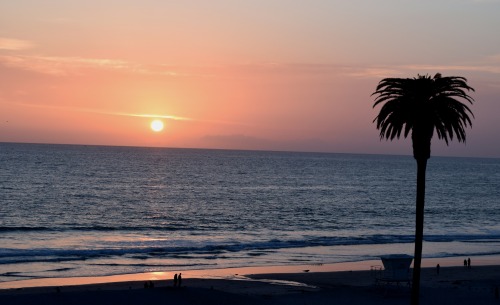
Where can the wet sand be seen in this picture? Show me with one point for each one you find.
(283, 285)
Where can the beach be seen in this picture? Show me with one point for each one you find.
(453, 285)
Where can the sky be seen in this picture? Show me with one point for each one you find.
(262, 74)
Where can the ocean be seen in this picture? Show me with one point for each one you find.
(69, 210)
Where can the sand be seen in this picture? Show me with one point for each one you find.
(453, 285)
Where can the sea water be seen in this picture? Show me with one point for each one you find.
(93, 210)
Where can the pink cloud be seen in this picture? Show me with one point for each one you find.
(15, 44)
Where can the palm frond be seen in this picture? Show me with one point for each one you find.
(432, 104)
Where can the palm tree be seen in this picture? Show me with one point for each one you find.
(422, 105)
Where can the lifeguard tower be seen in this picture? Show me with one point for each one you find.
(396, 270)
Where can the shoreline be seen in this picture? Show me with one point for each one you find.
(238, 273)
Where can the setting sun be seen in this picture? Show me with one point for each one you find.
(157, 125)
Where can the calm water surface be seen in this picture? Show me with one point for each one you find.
(88, 210)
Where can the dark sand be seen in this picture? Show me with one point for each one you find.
(454, 285)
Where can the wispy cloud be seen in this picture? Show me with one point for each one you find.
(486, 65)
(15, 44)
(63, 66)
(96, 111)
(373, 72)
(156, 116)
(481, 67)
(489, 65)
(125, 114)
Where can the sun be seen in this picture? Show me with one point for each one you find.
(156, 125)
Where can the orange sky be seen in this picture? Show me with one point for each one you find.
(278, 75)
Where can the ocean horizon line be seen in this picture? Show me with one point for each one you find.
(240, 150)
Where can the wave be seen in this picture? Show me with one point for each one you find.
(24, 229)
(155, 265)
(7, 229)
(60, 269)
(165, 249)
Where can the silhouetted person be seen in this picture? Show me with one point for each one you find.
(175, 280)
(180, 279)
(468, 263)
(465, 263)
(437, 269)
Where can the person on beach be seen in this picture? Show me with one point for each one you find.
(465, 263)
(468, 263)
(175, 280)
(180, 279)
(437, 269)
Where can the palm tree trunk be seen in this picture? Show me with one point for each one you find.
(419, 229)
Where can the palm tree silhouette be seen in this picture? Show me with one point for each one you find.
(422, 105)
